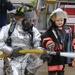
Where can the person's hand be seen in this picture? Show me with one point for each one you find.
(7, 0)
(16, 53)
(51, 46)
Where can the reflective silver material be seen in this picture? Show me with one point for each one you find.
(7, 49)
(34, 63)
(17, 65)
(20, 39)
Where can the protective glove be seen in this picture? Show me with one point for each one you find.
(45, 57)
(16, 53)
(58, 53)
(51, 46)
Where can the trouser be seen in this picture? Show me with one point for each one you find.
(56, 73)
(17, 66)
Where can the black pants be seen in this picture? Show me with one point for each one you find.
(56, 73)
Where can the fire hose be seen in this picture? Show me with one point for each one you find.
(37, 51)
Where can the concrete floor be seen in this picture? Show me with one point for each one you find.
(43, 70)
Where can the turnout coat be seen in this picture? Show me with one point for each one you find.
(62, 39)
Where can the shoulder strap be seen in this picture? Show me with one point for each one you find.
(57, 40)
(31, 39)
(11, 29)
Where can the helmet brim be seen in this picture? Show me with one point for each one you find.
(60, 14)
(30, 15)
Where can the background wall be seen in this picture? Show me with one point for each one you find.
(19, 1)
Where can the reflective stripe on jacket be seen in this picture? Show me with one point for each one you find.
(47, 41)
(55, 67)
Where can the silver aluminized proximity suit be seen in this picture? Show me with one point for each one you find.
(20, 39)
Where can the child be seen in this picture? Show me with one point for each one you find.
(57, 38)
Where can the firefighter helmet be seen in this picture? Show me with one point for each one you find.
(58, 13)
(25, 11)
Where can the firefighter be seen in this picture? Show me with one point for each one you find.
(22, 35)
(58, 38)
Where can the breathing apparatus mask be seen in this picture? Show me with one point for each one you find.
(27, 14)
(27, 26)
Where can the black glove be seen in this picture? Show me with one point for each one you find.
(58, 53)
(16, 53)
(43, 57)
